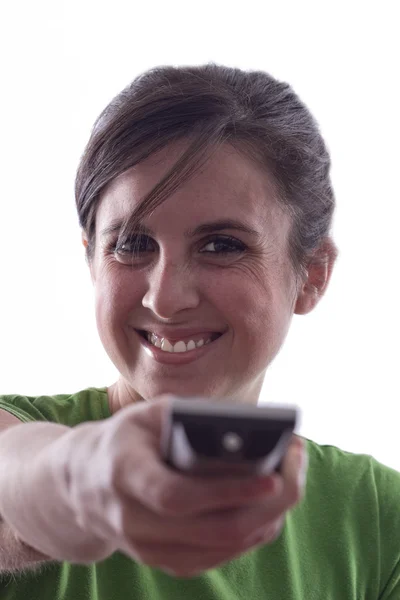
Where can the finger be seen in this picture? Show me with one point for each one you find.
(221, 529)
(234, 528)
(149, 416)
(171, 493)
(217, 529)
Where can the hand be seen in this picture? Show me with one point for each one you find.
(121, 490)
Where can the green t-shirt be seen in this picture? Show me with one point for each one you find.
(341, 542)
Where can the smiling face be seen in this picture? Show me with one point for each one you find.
(214, 261)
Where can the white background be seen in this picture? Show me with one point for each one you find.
(62, 62)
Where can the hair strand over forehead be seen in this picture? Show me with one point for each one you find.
(209, 105)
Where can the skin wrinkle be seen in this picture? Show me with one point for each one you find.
(251, 296)
(161, 159)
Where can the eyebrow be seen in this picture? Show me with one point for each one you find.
(202, 229)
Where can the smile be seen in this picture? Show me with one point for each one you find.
(177, 352)
(181, 345)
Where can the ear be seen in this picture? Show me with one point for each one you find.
(86, 243)
(319, 272)
(84, 239)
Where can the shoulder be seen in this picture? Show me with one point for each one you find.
(355, 500)
(348, 469)
(90, 404)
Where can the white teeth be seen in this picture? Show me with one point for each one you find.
(154, 340)
(180, 347)
(166, 346)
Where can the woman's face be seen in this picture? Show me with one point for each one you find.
(214, 264)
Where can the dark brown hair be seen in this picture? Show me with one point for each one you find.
(209, 105)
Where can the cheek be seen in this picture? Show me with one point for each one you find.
(116, 297)
(258, 309)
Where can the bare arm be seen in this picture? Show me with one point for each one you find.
(14, 554)
(79, 494)
(31, 501)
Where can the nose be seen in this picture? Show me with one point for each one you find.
(171, 288)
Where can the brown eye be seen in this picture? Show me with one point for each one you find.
(135, 246)
(223, 244)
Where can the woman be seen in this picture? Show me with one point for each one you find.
(205, 204)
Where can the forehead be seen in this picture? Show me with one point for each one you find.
(228, 184)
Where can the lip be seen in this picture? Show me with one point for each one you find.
(176, 358)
